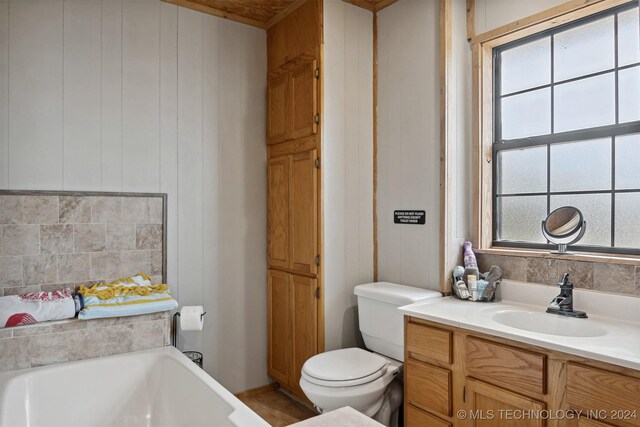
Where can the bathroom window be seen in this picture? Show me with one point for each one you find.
(566, 131)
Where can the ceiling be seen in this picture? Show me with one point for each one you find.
(261, 13)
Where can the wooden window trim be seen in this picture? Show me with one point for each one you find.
(482, 46)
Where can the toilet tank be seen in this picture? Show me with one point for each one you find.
(381, 323)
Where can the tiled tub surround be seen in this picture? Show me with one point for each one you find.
(67, 340)
(608, 277)
(50, 241)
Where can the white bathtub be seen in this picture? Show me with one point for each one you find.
(159, 387)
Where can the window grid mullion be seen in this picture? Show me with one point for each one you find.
(610, 131)
(613, 138)
(553, 123)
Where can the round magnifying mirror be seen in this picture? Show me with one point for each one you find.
(563, 227)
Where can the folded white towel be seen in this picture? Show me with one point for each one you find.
(36, 307)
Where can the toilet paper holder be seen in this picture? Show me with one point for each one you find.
(194, 356)
(174, 329)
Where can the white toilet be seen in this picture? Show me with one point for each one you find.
(359, 378)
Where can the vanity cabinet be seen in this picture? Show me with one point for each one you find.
(500, 382)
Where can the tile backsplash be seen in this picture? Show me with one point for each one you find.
(608, 277)
(68, 340)
(50, 241)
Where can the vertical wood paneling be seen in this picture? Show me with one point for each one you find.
(141, 95)
(190, 161)
(176, 100)
(169, 134)
(4, 94)
(112, 95)
(351, 167)
(242, 201)
(210, 191)
(35, 94)
(348, 166)
(82, 95)
(364, 256)
(408, 142)
(333, 171)
(491, 14)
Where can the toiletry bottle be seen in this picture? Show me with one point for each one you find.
(470, 262)
(472, 285)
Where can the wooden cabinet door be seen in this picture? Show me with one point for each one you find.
(304, 100)
(586, 422)
(303, 221)
(279, 120)
(278, 212)
(493, 406)
(304, 325)
(279, 320)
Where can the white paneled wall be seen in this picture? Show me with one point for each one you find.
(139, 95)
(408, 141)
(348, 166)
(491, 14)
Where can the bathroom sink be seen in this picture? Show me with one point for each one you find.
(551, 324)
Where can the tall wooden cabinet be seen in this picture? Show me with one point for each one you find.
(294, 282)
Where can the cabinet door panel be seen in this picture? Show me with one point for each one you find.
(278, 212)
(415, 417)
(304, 212)
(429, 387)
(493, 406)
(279, 326)
(304, 324)
(279, 119)
(590, 388)
(304, 100)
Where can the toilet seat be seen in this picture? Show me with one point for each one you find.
(344, 368)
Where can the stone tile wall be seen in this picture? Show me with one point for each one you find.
(50, 242)
(608, 277)
(68, 340)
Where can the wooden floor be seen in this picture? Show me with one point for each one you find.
(277, 408)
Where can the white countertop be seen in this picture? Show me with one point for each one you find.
(616, 318)
(346, 417)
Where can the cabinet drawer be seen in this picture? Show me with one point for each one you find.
(418, 418)
(509, 367)
(429, 342)
(429, 387)
(590, 389)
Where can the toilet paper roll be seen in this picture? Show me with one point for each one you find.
(191, 318)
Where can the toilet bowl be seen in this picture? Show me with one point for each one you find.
(350, 375)
(368, 381)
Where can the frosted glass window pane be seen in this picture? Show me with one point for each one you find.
(526, 66)
(583, 50)
(596, 209)
(523, 171)
(629, 94)
(627, 229)
(527, 114)
(628, 37)
(583, 165)
(585, 103)
(628, 162)
(520, 218)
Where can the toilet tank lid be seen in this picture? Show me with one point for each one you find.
(393, 293)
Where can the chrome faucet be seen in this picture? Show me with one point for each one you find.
(563, 303)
